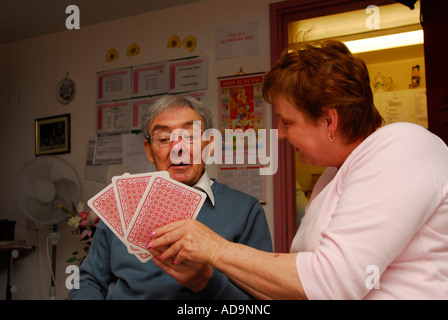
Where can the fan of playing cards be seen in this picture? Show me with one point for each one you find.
(133, 205)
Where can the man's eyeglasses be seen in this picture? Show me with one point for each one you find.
(166, 138)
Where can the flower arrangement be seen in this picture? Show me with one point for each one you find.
(84, 224)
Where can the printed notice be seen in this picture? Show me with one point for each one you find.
(114, 117)
(189, 74)
(139, 108)
(114, 85)
(94, 172)
(108, 149)
(403, 106)
(134, 155)
(237, 40)
(150, 79)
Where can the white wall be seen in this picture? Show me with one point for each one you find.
(31, 69)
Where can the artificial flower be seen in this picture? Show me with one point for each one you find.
(84, 224)
(174, 42)
(189, 43)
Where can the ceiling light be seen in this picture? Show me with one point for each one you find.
(386, 42)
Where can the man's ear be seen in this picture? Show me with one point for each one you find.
(148, 151)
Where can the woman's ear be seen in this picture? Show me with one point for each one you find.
(331, 117)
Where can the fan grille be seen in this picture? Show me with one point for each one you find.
(44, 183)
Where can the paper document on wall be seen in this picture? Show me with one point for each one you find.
(150, 79)
(403, 106)
(139, 108)
(108, 149)
(134, 154)
(238, 40)
(114, 85)
(94, 172)
(114, 117)
(189, 74)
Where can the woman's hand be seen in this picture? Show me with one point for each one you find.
(262, 274)
(187, 240)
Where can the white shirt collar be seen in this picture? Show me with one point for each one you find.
(205, 184)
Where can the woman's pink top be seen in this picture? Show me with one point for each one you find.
(377, 228)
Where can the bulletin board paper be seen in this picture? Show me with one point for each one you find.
(139, 107)
(114, 117)
(114, 85)
(188, 74)
(150, 79)
(403, 106)
(237, 40)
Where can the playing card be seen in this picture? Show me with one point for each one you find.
(105, 207)
(129, 190)
(143, 256)
(104, 204)
(164, 200)
(135, 204)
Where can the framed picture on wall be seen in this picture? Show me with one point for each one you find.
(52, 135)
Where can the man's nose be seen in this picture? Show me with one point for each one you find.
(180, 152)
(177, 145)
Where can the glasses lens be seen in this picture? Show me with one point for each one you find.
(187, 136)
(162, 139)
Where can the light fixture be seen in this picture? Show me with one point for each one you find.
(386, 42)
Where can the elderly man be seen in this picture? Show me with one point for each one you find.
(110, 272)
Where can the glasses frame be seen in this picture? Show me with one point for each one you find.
(151, 138)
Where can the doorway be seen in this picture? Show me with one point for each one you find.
(397, 80)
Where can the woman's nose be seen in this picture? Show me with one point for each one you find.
(281, 130)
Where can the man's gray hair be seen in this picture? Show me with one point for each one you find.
(172, 101)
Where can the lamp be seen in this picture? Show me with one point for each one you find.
(386, 42)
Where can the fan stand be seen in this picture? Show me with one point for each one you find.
(42, 185)
(54, 236)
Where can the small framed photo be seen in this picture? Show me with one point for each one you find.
(53, 135)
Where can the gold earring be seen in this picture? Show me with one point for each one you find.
(331, 137)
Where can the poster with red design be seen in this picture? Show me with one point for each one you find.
(241, 100)
(242, 107)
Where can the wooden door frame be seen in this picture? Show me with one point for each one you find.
(281, 14)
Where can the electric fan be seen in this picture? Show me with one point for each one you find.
(42, 185)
